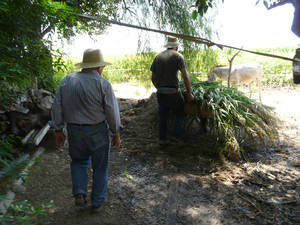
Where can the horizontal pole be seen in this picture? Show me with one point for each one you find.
(185, 37)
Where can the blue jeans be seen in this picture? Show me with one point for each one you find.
(89, 143)
(167, 103)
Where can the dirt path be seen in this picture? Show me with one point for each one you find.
(182, 184)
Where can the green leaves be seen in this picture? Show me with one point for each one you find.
(27, 214)
(203, 6)
(4, 7)
(233, 112)
(126, 174)
(194, 14)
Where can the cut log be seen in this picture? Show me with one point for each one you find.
(27, 137)
(41, 134)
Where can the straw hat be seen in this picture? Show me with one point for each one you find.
(172, 42)
(92, 58)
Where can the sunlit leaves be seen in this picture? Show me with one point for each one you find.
(194, 14)
(233, 115)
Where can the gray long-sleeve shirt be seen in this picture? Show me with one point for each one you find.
(85, 98)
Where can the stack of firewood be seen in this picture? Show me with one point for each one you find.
(28, 116)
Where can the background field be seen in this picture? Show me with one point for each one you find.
(134, 68)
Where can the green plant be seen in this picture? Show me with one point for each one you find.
(233, 116)
(277, 80)
(63, 67)
(126, 174)
(131, 68)
(24, 213)
(11, 163)
(7, 150)
(200, 62)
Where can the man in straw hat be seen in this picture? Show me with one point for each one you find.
(165, 69)
(85, 101)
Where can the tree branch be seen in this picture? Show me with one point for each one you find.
(126, 8)
(230, 66)
(45, 31)
(280, 3)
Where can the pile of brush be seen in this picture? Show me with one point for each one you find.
(231, 116)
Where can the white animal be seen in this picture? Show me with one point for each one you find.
(244, 73)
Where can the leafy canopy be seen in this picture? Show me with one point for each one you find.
(27, 27)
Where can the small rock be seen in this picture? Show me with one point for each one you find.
(19, 188)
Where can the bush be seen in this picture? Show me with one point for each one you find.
(10, 164)
(24, 213)
(61, 69)
(7, 150)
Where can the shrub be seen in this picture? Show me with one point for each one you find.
(24, 213)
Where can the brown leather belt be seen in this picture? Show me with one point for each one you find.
(84, 125)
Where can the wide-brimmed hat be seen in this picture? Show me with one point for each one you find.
(92, 58)
(172, 42)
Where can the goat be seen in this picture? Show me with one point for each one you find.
(244, 73)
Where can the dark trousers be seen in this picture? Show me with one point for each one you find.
(175, 104)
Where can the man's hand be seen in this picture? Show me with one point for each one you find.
(190, 97)
(60, 139)
(187, 83)
(116, 142)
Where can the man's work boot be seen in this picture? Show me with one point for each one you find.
(96, 209)
(80, 200)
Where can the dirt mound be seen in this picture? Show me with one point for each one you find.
(143, 110)
(139, 119)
